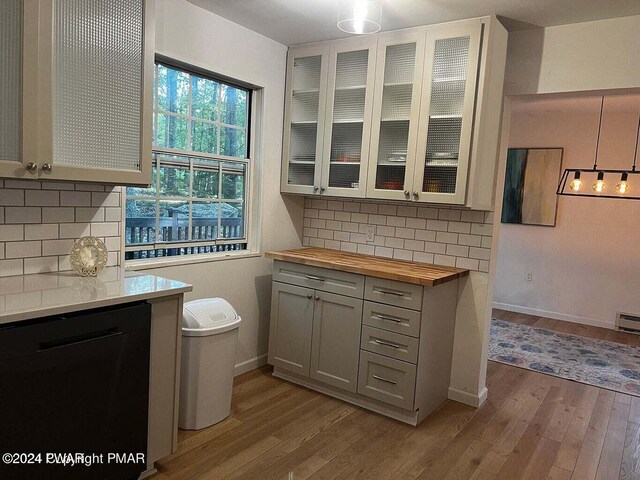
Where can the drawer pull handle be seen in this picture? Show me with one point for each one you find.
(391, 292)
(313, 277)
(386, 380)
(386, 344)
(391, 319)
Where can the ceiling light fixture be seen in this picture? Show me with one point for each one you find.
(359, 17)
(595, 174)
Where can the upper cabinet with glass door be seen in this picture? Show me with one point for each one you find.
(447, 112)
(16, 150)
(396, 110)
(87, 70)
(348, 117)
(328, 118)
(304, 117)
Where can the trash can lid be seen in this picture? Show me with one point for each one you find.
(208, 316)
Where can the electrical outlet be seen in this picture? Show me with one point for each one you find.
(528, 276)
(371, 232)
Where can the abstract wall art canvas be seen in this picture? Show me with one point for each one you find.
(530, 186)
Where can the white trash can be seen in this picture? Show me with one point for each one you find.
(209, 339)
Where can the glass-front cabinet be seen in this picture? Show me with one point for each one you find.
(348, 122)
(447, 112)
(396, 109)
(14, 159)
(328, 118)
(304, 114)
(412, 115)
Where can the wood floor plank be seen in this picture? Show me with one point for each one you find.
(634, 410)
(556, 473)
(611, 457)
(528, 443)
(541, 461)
(576, 431)
(630, 467)
(587, 463)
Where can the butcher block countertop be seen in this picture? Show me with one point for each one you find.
(401, 270)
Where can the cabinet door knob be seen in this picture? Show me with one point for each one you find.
(317, 298)
(47, 167)
(315, 188)
(309, 297)
(415, 195)
(407, 193)
(32, 167)
(322, 189)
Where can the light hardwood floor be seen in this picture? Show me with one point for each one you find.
(533, 426)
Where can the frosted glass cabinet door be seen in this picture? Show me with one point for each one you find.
(101, 77)
(304, 119)
(348, 123)
(396, 109)
(12, 161)
(446, 113)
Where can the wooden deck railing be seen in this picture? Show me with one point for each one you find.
(175, 229)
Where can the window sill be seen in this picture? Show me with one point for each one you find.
(149, 263)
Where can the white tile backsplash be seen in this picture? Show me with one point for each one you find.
(39, 221)
(442, 235)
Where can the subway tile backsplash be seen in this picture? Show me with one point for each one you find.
(427, 234)
(40, 221)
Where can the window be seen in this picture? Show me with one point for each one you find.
(197, 201)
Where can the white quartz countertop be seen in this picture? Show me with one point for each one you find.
(24, 297)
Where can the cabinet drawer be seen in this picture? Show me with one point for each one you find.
(393, 319)
(388, 380)
(389, 344)
(395, 293)
(322, 279)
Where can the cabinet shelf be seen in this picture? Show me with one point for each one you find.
(444, 117)
(337, 162)
(304, 91)
(351, 87)
(349, 120)
(398, 84)
(395, 119)
(303, 122)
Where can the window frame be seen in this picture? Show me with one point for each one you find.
(250, 216)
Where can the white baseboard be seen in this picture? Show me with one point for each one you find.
(468, 398)
(554, 315)
(250, 364)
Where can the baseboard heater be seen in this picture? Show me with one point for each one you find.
(628, 323)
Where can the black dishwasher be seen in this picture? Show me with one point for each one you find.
(74, 395)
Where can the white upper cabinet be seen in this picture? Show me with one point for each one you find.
(396, 109)
(447, 112)
(328, 118)
(85, 91)
(304, 114)
(13, 159)
(414, 115)
(348, 118)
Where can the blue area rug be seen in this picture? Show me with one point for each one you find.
(596, 362)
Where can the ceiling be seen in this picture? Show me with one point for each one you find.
(301, 21)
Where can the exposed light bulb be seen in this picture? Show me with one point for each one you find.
(598, 186)
(576, 184)
(623, 186)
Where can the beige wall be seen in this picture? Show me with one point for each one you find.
(586, 268)
(579, 57)
(193, 35)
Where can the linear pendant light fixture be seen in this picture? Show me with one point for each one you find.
(360, 17)
(579, 185)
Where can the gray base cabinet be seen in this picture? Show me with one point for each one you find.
(291, 326)
(335, 340)
(380, 344)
